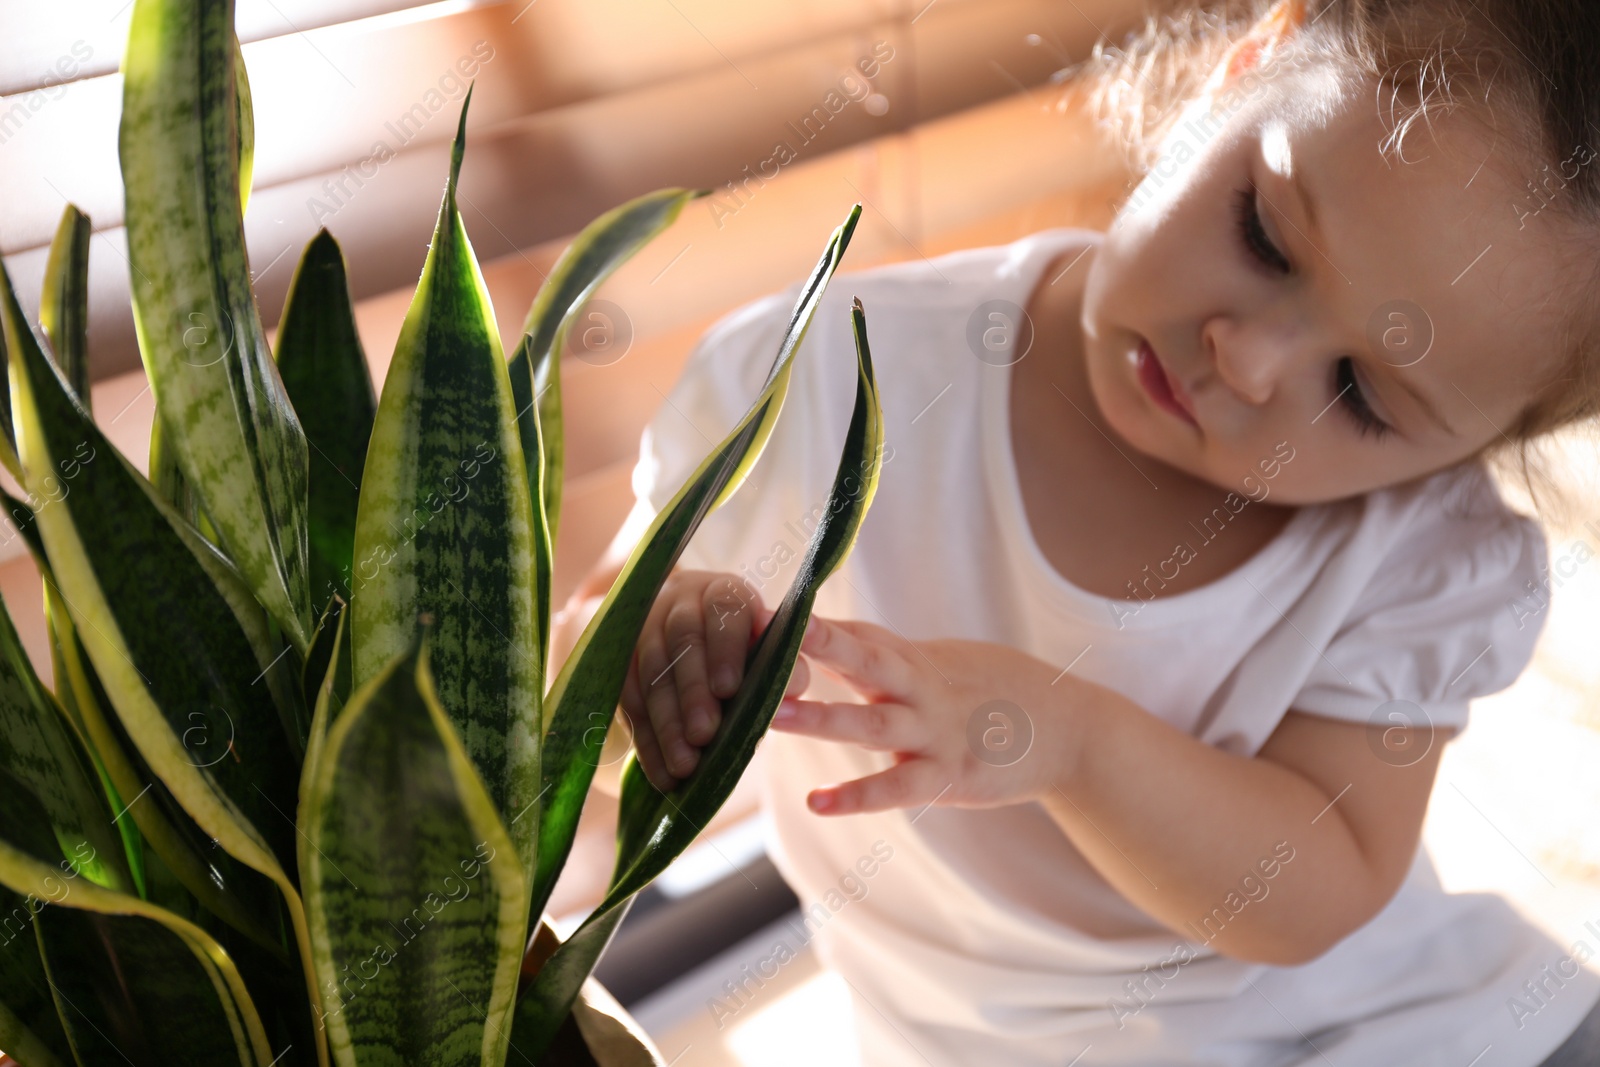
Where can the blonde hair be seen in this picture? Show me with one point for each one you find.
(1428, 58)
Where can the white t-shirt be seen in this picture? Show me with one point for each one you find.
(983, 937)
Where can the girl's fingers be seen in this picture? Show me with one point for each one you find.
(634, 708)
(908, 784)
(762, 615)
(645, 746)
(873, 634)
(647, 750)
(760, 618)
(799, 679)
(862, 655)
(632, 698)
(728, 613)
(883, 726)
(684, 634)
(661, 701)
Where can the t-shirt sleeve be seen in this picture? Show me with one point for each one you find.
(722, 377)
(1438, 625)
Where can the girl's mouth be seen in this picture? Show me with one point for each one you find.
(1160, 386)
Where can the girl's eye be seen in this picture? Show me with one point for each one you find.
(1260, 247)
(1251, 233)
(1354, 401)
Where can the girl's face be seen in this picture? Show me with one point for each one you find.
(1381, 318)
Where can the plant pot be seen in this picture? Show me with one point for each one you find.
(599, 1032)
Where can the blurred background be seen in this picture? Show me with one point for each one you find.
(939, 116)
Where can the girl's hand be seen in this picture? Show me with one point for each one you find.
(971, 724)
(689, 658)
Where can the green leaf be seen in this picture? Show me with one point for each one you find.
(581, 702)
(119, 967)
(64, 302)
(30, 1029)
(329, 665)
(636, 811)
(532, 435)
(164, 640)
(325, 372)
(121, 981)
(602, 246)
(247, 126)
(658, 832)
(8, 448)
(167, 477)
(236, 894)
(38, 746)
(232, 429)
(445, 524)
(65, 657)
(142, 805)
(172, 633)
(64, 701)
(54, 618)
(546, 1002)
(330, 645)
(417, 898)
(653, 829)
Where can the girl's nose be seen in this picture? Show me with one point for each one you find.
(1247, 360)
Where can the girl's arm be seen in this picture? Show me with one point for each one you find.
(1271, 859)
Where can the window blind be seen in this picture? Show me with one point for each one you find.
(578, 106)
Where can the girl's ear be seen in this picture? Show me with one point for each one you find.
(1256, 47)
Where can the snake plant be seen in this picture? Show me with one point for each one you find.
(305, 781)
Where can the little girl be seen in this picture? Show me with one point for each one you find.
(1183, 567)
